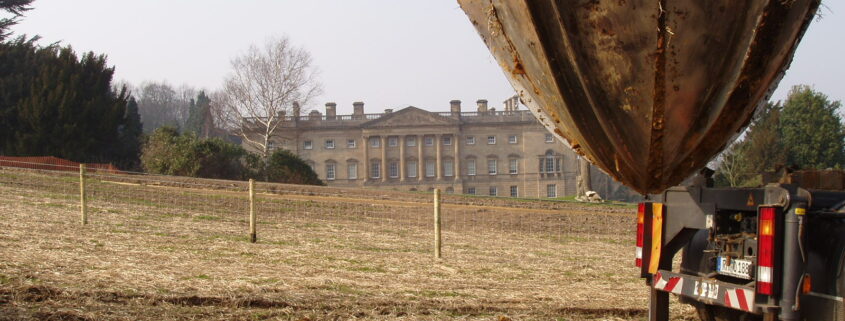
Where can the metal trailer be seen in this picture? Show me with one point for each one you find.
(772, 253)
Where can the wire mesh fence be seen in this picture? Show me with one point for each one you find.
(358, 248)
(139, 197)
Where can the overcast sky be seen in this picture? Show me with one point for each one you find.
(387, 53)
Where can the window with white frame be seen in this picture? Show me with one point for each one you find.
(550, 138)
(550, 162)
(351, 143)
(429, 140)
(492, 166)
(393, 170)
(330, 171)
(411, 166)
(471, 167)
(352, 170)
(512, 139)
(491, 140)
(514, 191)
(430, 167)
(375, 169)
(470, 140)
(329, 143)
(307, 145)
(494, 191)
(375, 142)
(513, 166)
(471, 190)
(447, 168)
(392, 141)
(411, 141)
(551, 190)
(447, 140)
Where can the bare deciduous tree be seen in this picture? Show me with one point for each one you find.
(162, 105)
(731, 165)
(265, 83)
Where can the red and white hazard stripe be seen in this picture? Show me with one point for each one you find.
(740, 299)
(672, 285)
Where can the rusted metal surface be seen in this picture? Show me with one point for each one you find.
(649, 91)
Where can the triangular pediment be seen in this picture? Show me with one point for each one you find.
(409, 117)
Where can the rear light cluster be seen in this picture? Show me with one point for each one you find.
(640, 233)
(766, 232)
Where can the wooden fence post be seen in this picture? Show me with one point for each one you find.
(437, 243)
(252, 236)
(82, 206)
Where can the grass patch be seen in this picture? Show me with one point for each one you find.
(57, 205)
(343, 288)
(207, 218)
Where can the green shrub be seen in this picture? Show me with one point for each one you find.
(286, 167)
(168, 152)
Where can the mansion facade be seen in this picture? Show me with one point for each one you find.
(483, 152)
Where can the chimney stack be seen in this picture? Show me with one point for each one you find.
(512, 104)
(314, 115)
(482, 105)
(296, 110)
(358, 110)
(331, 111)
(455, 107)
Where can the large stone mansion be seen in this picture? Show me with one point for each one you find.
(484, 152)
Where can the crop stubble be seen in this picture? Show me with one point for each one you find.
(170, 251)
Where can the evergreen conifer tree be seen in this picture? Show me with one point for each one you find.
(55, 103)
(199, 116)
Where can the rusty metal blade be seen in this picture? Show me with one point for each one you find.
(649, 91)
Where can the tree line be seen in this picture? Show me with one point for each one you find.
(55, 102)
(803, 132)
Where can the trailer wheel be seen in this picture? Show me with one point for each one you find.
(716, 313)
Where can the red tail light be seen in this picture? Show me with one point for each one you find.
(766, 255)
(640, 233)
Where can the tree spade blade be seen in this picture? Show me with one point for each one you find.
(649, 91)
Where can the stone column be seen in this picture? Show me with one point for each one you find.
(438, 140)
(420, 158)
(366, 147)
(383, 158)
(401, 158)
(457, 159)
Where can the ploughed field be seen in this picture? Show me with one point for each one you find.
(175, 248)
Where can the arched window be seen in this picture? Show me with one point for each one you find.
(331, 170)
(411, 167)
(550, 162)
(448, 167)
(352, 169)
(471, 166)
(393, 168)
(375, 168)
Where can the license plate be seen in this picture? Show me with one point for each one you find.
(734, 267)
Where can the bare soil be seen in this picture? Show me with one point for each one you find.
(166, 248)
